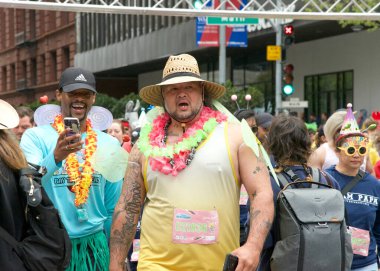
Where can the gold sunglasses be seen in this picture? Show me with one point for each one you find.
(350, 150)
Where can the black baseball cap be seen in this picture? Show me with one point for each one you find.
(76, 78)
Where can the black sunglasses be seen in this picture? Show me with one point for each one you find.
(254, 129)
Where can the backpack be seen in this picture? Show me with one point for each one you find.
(46, 245)
(310, 227)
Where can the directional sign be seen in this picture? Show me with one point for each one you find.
(231, 21)
(273, 52)
(295, 104)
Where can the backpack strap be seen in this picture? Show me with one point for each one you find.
(315, 176)
(281, 178)
(354, 182)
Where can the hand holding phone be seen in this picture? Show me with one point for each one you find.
(74, 126)
(230, 263)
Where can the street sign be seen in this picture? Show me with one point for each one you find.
(295, 103)
(208, 35)
(231, 21)
(273, 52)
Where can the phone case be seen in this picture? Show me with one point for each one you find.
(73, 124)
(230, 263)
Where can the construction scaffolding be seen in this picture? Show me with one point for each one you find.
(268, 9)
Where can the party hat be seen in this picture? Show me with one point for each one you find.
(349, 126)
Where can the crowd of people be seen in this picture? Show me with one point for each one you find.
(194, 181)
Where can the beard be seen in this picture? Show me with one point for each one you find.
(185, 117)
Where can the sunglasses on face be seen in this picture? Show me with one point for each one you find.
(254, 129)
(351, 150)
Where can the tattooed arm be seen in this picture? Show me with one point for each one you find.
(127, 211)
(254, 175)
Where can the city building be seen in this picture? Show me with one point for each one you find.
(332, 65)
(36, 46)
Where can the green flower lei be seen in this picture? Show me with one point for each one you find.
(168, 151)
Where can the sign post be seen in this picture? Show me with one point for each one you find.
(295, 103)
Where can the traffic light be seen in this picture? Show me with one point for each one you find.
(287, 86)
(288, 32)
(198, 4)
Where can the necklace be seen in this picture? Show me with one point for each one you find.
(80, 173)
(170, 159)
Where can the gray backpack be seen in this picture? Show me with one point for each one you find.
(310, 227)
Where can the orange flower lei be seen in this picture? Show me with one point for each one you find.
(82, 180)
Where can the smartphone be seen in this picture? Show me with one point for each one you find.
(74, 126)
(230, 262)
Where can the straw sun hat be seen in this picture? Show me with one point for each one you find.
(9, 117)
(180, 69)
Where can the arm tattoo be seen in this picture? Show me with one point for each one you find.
(127, 212)
(256, 170)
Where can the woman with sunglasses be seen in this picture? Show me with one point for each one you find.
(362, 200)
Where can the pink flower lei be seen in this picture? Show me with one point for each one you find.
(170, 159)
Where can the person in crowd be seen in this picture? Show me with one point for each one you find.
(186, 168)
(12, 217)
(117, 130)
(361, 200)
(249, 116)
(319, 138)
(83, 197)
(369, 126)
(26, 116)
(290, 146)
(312, 130)
(263, 122)
(324, 117)
(325, 156)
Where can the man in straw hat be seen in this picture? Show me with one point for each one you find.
(84, 197)
(187, 168)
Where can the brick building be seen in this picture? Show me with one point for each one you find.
(35, 47)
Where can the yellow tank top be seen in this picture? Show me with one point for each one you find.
(208, 183)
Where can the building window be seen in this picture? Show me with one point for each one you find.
(328, 92)
(3, 79)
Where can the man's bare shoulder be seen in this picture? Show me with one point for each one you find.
(136, 156)
(234, 133)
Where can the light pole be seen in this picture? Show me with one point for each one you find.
(222, 51)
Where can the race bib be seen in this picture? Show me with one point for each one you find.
(360, 241)
(195, 227)
(135, 250)
(243, 196)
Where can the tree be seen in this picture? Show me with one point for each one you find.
(348, 6)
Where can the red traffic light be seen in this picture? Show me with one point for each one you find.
(288, 30)
(288, 68)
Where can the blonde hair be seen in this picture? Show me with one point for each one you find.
(10, 151)
(333, 124)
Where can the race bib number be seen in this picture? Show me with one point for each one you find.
(360, 241)
(243, 196)
(135, 250)
(195, 227)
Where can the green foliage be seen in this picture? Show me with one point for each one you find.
(351, 7)
(257, 97)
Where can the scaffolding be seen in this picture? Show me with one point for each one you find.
(265, 9)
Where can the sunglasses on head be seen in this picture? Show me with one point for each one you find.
(350, 150)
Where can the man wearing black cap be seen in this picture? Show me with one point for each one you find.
(83, 196)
